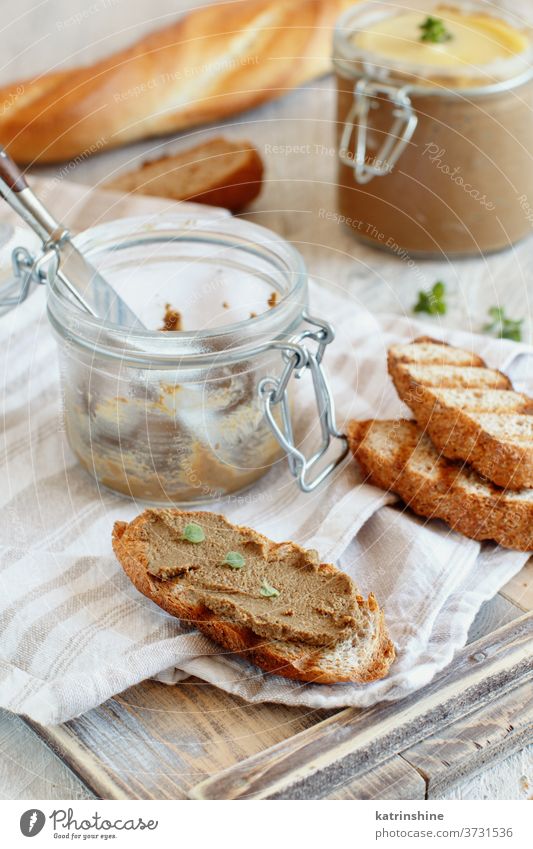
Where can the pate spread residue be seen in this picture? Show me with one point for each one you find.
(172, 320)
(165, 442)
(315, 604)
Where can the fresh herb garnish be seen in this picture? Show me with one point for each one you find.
(234, 559)
(193, 533)
(433, 301)
(267, 590)
(505, 328)
(433, 30)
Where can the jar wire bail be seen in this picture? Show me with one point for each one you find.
(398, 137)
(273, 392)
(28, 269)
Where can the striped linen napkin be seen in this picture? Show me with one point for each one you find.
(73, 629)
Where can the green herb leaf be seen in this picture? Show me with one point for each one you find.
(193, 533)
(234, 560)
(505, 328)
(433, 30)
(433, 301)
(267, 590)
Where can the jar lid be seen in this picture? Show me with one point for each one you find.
(443, 46)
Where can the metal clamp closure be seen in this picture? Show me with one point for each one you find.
(28, 269)
(398, 137)
(274, 391)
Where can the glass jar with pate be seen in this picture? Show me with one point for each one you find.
(434, 126)
(202, 410)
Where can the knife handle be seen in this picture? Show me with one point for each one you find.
(10, 174)
(15, 190)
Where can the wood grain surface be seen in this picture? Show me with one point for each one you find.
(441, 762)
(467, 746)
(353, 742)
(438, 766)
(393, 779)
(155, 741)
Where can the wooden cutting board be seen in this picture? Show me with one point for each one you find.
(194, 741)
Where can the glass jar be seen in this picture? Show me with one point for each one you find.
(199, 413)
(433, 160)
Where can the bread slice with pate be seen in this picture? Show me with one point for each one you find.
(273, 603)
(470, 412)
(397, 455)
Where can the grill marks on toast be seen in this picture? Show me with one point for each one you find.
(430, 352)
(470, 412)
(397, 455)
(451, 377)
(484, 400)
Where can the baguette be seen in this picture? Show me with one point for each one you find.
(398, 456)
(470, 412)
(213, 62)
(318, 629)
(217, 172)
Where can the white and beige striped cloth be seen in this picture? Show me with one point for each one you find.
(74, 631)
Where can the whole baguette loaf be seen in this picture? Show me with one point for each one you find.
(213, 62)
(218, 172)
(398, 456)
(470, 412)
(318, 628)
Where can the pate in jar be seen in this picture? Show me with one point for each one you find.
(435, 126)
(192, 405)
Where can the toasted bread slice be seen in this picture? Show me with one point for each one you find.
(315, 602)
(218, 172)
(470, 412)
(398, 456)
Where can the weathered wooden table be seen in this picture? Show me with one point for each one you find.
(208, 730)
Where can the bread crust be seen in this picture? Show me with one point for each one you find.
(171, 79)
(296, 661)
(456, 433)
(489, 516)
(238, 184)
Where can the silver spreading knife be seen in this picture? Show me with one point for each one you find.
(78, 276)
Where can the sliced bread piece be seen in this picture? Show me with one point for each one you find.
(274, 603)
(470, 412)
(398, 456)
(218, 172)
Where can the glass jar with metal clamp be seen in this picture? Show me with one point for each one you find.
(434, 126)
(203, 409)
